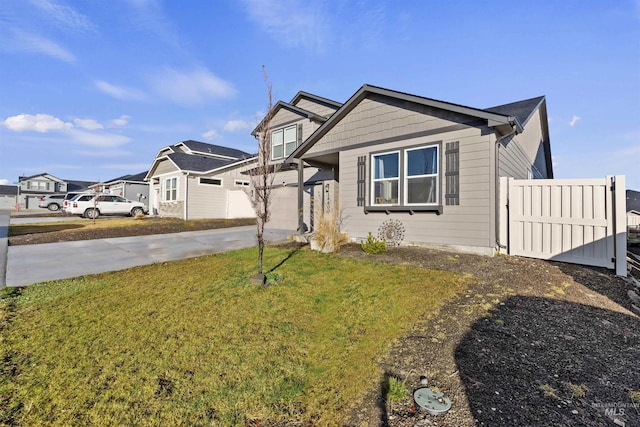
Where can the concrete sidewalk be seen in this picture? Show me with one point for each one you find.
(31, 264)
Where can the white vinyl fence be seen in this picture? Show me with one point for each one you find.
(580, 221)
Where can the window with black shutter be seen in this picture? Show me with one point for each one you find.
(452, 173)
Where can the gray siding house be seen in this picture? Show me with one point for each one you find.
(35, 186)
(392, 161)
(8, 197)
(195, 180)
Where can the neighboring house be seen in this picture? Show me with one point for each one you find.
(192, 180)
(633, 219)
(633, 208)
(8, 197)
(132, 187)
(35, 186)
(431, 167)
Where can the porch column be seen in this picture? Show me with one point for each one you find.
(300, 196)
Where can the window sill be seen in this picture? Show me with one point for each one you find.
(410, 209)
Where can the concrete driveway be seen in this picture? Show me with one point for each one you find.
(31, 264)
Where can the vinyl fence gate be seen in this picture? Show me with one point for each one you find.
(579, 221)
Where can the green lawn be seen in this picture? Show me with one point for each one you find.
(194, 343)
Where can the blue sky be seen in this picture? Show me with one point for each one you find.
(91, 90)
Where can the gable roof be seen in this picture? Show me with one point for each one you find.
(522, 110)
(326, 101)
(294, 109)
(44, 175)
(195, 163)
(212, 149)
(494, 118)
(139, 177)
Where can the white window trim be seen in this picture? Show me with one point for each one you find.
(163, 189)
(284, 143)
(241, 183)
(374, 180)
(405, 176)
(210, 185)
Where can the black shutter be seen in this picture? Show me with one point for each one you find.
(299, 142)
(452, 173)
(362, 180)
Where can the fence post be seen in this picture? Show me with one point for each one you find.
(503, 223)
(620, 224)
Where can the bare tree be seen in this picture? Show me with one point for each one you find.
(262, 176)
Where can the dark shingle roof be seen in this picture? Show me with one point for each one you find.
(633, 200)
(9, 190)
(139, 177)
(203, 147)
(195, 163)
(522, 110)
(78, 185)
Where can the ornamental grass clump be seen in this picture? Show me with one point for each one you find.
(327, 236)
(373, 245)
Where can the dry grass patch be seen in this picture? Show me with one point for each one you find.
(193, 343)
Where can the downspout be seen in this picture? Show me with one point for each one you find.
(496, 184)
(186, 196)
(300, 197)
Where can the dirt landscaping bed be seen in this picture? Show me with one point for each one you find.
(530, 343)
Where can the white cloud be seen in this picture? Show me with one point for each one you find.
(290, 22)
(39, 123)
(574, 120)
(88, 124)
(191, 87)
(236, 125)
(211, 134)
(119, 92)
(31, 43)
(120, 121)
(4, 182)
(63, 16)
(88, 131)
(127, 166)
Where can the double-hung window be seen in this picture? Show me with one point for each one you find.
(386, 178)
(283, 142)
(406, 179)
(171, 189)
(421, 176)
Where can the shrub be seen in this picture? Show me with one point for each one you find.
(374, 246)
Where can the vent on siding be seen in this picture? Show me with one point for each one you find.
(452, 173)
(362, 179)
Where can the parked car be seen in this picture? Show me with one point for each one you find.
(71, 195)
(91, 206)
(53, 202)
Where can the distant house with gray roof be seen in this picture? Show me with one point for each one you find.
(132, 187)
(194, 180)
(8, 197)
(33, 187)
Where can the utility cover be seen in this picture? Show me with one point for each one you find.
(433, 402)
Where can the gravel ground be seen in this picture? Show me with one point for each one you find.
(531, 343)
